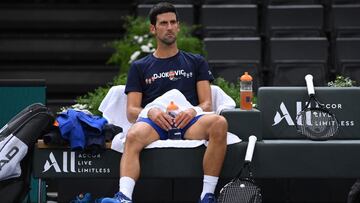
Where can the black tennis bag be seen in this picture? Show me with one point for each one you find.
(17, 140)
(354, 193)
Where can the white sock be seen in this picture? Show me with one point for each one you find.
(209, 185)
(126, 186)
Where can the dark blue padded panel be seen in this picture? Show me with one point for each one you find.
(347, 51)
(352, 71)
(306, 159)
(244, 123)
(342, 1)
(280, 105)
(229, 1)
(345, 20)
(291, 2)
(294, 20)
(186, 12)
(70, 17)
(272, 159)
(293, 74)
(170, 1)
(229, 20)
(231, 72)
(299, 49)
(292, 58)
(38, 48)
(348, 57)
(239, 49)
(231, 57)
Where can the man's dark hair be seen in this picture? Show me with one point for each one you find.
(160, 8)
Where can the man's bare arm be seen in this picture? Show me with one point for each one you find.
(204, 95)
(133, 107)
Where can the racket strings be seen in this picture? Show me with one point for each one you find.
(240, 190)
(317, 123)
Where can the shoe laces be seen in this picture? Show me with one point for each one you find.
(121, 197)
(211, 199)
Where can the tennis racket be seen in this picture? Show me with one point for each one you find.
(315, 121)
(242, 189)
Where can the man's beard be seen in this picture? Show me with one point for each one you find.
(168, 40)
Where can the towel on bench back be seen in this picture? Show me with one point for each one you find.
(113, 107)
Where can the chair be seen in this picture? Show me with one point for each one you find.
(229, 2)
(290, 2)
(170, 1)
(343, 1)
(47, 17)
(292, 58)
(231, 57)
(294, 20)
(229, 20)
(348, 58)
(345, 20)
(186, 12)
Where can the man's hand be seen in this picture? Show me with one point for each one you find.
(184, 117)
(161, 118)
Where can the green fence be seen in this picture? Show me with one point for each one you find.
(15, 95)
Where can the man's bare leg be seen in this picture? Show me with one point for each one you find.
(139, 136)
(213, 128)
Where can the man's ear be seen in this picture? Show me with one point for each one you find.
(152, 29)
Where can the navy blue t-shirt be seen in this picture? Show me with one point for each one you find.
(154, 76)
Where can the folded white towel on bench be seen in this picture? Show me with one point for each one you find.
(114, 110)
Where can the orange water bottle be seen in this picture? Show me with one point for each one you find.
(246, 91)
(174, 133)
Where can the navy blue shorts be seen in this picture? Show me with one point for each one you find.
(163, 133)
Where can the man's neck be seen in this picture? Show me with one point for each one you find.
(166, 51)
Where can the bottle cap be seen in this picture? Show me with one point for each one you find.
(172, 106)
(246, 77)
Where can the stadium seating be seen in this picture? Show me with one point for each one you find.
(292, 58)
(235, 20)
(231, 57)
(290, 2)
(229, 2)
(170, 1)
(294, 20)
(65, 17)
(343, 20)
(341, 1)
(348, 58)
(61, 42)
(59, 37)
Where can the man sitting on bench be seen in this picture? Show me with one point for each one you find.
(143, 87)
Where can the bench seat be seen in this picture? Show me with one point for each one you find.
(272, 159)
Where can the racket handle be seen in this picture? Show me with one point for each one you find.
(310, 84)
(250, 148)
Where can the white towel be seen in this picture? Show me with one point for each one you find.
(114, 110)
(113, 107)
(119, 141)
(164, 100)
(220, 100)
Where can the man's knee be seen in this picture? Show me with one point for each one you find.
(140, 135)
(133, 138)
(219, 127)
(220, 123)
